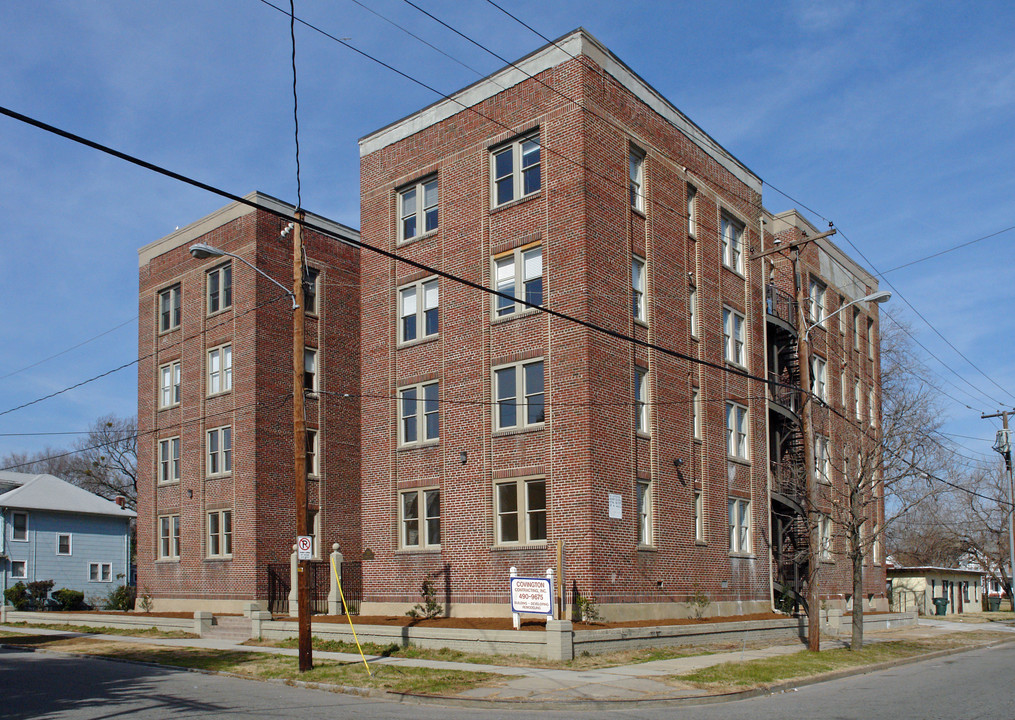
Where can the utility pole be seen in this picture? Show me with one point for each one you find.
(1005, 449)
(807, 427)
(300, 445)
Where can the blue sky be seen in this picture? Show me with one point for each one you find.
(894, 120)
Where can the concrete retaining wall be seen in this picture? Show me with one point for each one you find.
(127, 622)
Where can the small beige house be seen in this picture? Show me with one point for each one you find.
(915, 588)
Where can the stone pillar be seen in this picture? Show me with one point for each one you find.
(257, 617)
(294, 579)
(334, 597)
(559, 640)
(202, 622)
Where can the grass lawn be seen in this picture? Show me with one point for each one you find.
(132, 632)
(760, 673)
(425, 681)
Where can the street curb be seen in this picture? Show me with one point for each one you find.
(456, 701)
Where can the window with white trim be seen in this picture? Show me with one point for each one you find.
(311, 454)
(843, 389)
(641, 400)
(170, 311)
(220, 369)
(870, 407)
(819, 380)
(417, 209)
(311, 290)
(699, 518)
(419, 411)
(220, 533)
(733, 336)
(421, 519)
(696, 413)
(418, 310)
(19, 570)
(169, 460)
(518, 391)
(310, 369)
(314, 531)
(515, 170)
(736, 431)
(732, 243)
(740, 525)
(169, 537)
(692, 307)
(520, 506)
(816, 307)
(856, 400)
(169, 385)
(870, 338)
(875, 544)
(518, 274)
(821, 459)
(220, 288)
(644, 510)
(692, 206)
(638, 288)
(19, 526)
(842, 316)
(825, 530)
(220, 451)
(100, 572)
(636, 166)
(856, 329)
(63, 544)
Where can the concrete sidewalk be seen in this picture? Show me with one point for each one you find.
(642, 682)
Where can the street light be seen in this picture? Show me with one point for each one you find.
(202, 251)
(879, 297)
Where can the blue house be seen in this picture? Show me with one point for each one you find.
(52, 530)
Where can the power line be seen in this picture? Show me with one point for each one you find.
(72, 347)
(948, 250)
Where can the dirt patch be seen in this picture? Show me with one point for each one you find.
(527, 624)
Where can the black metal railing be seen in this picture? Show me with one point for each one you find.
(780, 304)
(318, 585)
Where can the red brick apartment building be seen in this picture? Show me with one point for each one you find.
(215, 458)
(491, 430)
(486, 430)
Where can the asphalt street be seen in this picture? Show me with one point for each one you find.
(968, 685)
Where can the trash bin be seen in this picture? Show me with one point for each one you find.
(993, 604)
(941, 605)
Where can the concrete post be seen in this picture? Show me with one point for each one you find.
(334, 597)
(294, 572)
(515, 618)
(202, 622)
(257, 617)
(559, 640)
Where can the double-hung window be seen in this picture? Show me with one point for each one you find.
(638, 288)
(220, 451)
(420, 413)
(817, 307)
(169, 537)
(518, 390)
(819, 381)
(518, 274)
(220, 370)
(310, 370)
(732, 241)
(736, 431)
(169, 385)
(637, 179)
(692, 206)
(870, 338)
(825, 529)
(220, 288)
(842, 316)
(699, 518)
(644, 511)
(740, 525)
(856, 400)
(169, 460)
(696, 413)
(692, 307)
(170, 311)
(871, 407)
(312, 456)
(822, 460)
(856, 329)
(19, 526)
(521, 511)
(421, 519)
(418, 310)
(733, 337)
(641, 400)
(417, 209)
(100, 572)
(311, 279)
(63, 544)
(515, 170)
(220, 533)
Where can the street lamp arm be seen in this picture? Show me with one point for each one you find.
(202, 251)
(878, 297)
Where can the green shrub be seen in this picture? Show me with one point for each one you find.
(122, 598)
(17, 596)
(68, 599)
(38, 593)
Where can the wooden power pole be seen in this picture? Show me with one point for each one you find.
(300, 445)
(1011, 490)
